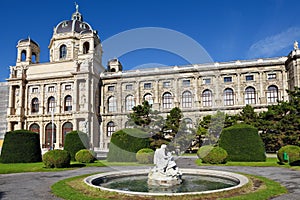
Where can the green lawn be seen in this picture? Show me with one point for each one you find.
(74, 188)
(39, 167)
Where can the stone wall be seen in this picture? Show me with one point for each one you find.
(3, 108)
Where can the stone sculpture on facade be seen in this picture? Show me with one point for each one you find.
(165, 171)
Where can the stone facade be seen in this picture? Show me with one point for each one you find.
(83, 95)
(3, 108)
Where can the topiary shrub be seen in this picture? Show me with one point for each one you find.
(216, 155)
(57, 159)
(242, 143)
(125, 143)
(293, 153)
(21, 146)
(145, 156)
(75, 141)
(85, 156)
(204, 150)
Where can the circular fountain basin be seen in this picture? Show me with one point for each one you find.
(195, 181)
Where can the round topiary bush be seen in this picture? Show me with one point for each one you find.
(203, 151)
(145, 156)
(85, 156)
(57, 159)
(293, 153)
(125, 143)
(216, 155)
(21, 146)
(242, 143)
(76, 141)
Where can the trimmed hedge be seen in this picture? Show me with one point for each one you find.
(85, 156)
(75, 141)
(242, 143)
(216, 155)
(125, 143)
(21, 146)
(145, 156)
(57, 159)
(293, 153)
(203, 151)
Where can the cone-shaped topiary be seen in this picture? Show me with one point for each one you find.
(76, 141)
(21, 146)
(125, 143)
(242, 143)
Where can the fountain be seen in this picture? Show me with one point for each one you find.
(166, 179)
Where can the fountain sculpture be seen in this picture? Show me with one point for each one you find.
(165, 172)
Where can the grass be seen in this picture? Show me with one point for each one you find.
(39, 166)
(270, 162)
(259, 188)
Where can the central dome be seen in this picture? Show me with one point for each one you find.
(76, 24)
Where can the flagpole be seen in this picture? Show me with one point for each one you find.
(52, 117)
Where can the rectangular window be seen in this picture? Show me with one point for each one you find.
(67, 87)
(129, 87)
(271, 76)
(51, 89)
(147, 85)
(35, 90)
(206, 81)
(249, 78)
(111, 88)
(227, 79)
(166, 84)
(186, 83)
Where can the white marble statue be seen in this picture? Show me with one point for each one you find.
(296, 45)
(165, 171)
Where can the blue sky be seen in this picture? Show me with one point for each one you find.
(228, 30)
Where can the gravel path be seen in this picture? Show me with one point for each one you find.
(32, 186)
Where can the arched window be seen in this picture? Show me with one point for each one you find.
(66, 128)
(272, 94)
(86, 47)
(112, 104)
(110, 128)
(48, 135)
(35, 105)
(68, 103)
(207, 98)
(188, 122)
(63, 52)
(148, 97)
(129, 102)
(51, 104)
(250, 96)
(34, 128)
(128, 124)
(186, 99)
(33, 58)
(167, 100)
(228, 97)
(23, 55)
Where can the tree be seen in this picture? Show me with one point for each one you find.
(173, 121)
(210, 127)
(140, 115)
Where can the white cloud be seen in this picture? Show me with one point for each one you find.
(273, 44)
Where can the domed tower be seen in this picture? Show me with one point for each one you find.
(73, 39)
(28, 52)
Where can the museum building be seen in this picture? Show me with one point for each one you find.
(73, 91)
